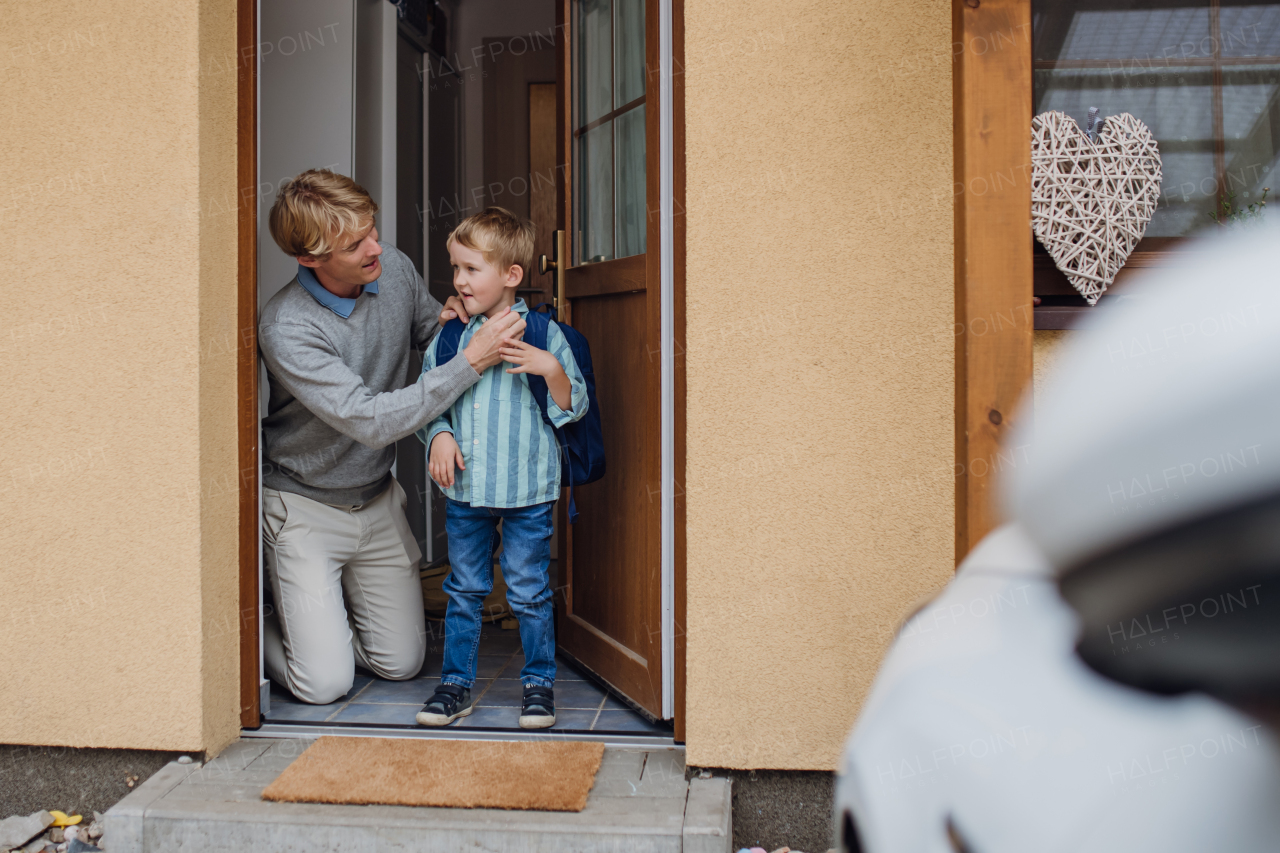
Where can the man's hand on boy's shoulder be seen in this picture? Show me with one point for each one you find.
(482, 351)
(453, 308)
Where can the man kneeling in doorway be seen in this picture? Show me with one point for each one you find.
(340, 558)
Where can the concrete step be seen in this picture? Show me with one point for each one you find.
(641, 802)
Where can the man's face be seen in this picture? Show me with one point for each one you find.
(481, 285)
(353, 262)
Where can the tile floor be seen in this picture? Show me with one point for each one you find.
(581, 704)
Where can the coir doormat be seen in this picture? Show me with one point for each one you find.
(543, 775)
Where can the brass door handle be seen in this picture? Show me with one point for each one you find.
(558, 264)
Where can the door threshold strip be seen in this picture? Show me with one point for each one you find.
(308, 731)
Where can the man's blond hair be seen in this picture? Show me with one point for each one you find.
(316, 209)
(504, 239)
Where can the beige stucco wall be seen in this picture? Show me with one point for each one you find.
(820, 361)
(1046, 348)
(117, 445)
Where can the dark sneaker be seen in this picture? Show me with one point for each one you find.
(447, 704)
(538, 710)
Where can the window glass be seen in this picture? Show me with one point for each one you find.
(595, 161)
(1117, 29)
(1251, 125)
(630, 193)
(628, 74)
(1250, 29)
(1201, 75)
(609, 130)
(1176, 103)
(595, 60)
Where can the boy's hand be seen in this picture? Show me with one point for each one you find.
(530, 359)
(445, 453)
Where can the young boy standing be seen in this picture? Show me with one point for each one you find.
(496, 458)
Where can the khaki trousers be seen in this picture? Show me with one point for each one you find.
(347, 592)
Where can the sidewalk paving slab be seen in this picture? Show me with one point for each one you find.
(640, 802)
(708, 818)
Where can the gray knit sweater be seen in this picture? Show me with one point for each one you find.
(340, 390)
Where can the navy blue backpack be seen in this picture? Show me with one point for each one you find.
(581, 442)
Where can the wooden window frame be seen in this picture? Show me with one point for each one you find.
(991, 82)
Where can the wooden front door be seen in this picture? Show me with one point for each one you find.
(610, 605)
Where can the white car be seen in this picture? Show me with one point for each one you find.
(1145, 541)
(985, 733)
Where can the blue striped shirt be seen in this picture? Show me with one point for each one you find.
(509, 449)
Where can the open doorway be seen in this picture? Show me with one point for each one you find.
(440, 109)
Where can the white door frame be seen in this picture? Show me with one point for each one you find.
(666, 255)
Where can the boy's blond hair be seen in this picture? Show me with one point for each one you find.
(504, 239)
(315, 209)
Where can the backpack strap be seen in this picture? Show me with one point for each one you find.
(537, 326)
(447, 341)
(536, 329)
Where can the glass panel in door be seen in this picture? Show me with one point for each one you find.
(608, 130)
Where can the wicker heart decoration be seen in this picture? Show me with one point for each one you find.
(1091, 201)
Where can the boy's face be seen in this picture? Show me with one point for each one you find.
(353, 261)
(484, 288)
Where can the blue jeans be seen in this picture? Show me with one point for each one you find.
(526, 556)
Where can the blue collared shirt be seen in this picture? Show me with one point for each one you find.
(339, 305)
(510, 451)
